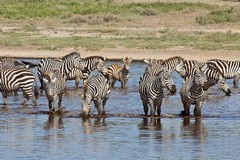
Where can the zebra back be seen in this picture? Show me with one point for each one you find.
(175, 63)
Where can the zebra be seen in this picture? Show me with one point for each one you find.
(120, 73)
(194, 91)
(175, 63)
(91, 63)
(95, 89)
(166, 78)
(151, 85)
(64, 65)
(230, 69)
(54, 86)
(151, 92)
(213, 75)
(12, 79)
(10, 62)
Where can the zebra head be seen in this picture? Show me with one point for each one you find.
(223, 85)
(86, 101)
(167, 81)
(75, 59)
(100, 65)
(200, 77)
(181, 68)
(127, 61)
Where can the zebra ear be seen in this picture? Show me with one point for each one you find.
(45, 80)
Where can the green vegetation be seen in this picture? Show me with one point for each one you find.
(198, 40)
(22, 9)
(97, 24)
(230, 14)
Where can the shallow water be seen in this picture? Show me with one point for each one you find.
(31, 133)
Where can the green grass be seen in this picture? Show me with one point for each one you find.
(22, 9)
(198, 40)
(227, 15)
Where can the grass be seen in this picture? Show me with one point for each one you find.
(22, 9)
(168, 39)
(29, 15)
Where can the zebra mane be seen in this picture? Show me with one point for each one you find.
(72, 54)
(95, 57)
(173, 59)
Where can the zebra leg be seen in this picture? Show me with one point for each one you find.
(5, 100)
(186, 111)
(145, 107)
(197, 109)
(159, 107)
(60, 101)
(77, 82)
(235, 81)
(28, 93)
(152, 108)
(51, 108)
(103, 105)
(98, 105)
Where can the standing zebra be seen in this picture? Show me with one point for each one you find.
(64, 65)
(175, 64)
(54, 85)
(151, 88)
(213, 75)
(194, 91)
(120, 73)
(230, 69)
(91, 63)
(12, 79)
(151, 92)
(95, 89)
(156, 66)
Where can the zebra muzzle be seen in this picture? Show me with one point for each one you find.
(228, 92)
(205, 86)
(173, 89)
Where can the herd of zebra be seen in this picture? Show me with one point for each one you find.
(54, 73)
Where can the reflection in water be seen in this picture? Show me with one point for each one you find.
(54, 122)
(194, 132)
(91, 125)
(152, 126)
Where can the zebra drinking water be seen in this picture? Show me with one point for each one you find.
(95, 89)
(54, 86)
(120, 73)
(194, 91)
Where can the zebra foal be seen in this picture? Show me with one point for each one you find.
(95, 89)
(119, 73)
(12, 79)
(194, 91)
(54, 86)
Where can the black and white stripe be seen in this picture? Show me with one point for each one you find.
(54, 86)
(95, 89)
(175, 63)
(194, 91)
(64, 65)
(12, 79)
(90, 63)
(230, 69)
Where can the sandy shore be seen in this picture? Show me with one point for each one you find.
(118, 53)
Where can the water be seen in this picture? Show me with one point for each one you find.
(31, 133)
